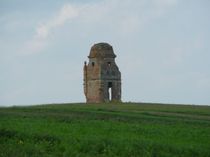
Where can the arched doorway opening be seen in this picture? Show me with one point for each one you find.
(110, 91)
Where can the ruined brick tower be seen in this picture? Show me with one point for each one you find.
(102, 78)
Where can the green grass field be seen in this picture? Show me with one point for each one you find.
(121, 129)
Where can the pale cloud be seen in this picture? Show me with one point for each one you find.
(40, 40)
(116, 14)
(42, 31)
(66, 13)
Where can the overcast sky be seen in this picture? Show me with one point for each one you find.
(162, 48)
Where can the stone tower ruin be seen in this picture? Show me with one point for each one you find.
(102, 78)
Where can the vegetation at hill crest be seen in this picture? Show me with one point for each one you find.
(109, 129)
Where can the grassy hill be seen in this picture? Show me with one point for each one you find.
(124, 130)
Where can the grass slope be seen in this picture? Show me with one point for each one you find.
(124, 130)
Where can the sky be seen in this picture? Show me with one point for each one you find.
(162, 48)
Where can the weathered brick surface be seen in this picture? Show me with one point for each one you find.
(102, 78)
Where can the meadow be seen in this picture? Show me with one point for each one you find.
(109, 129)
